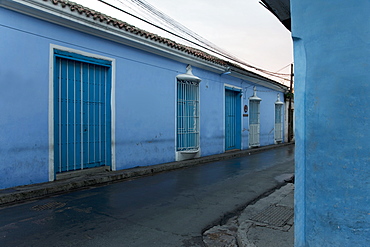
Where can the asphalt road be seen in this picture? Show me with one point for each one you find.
(166, 209)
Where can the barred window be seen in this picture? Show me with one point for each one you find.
(254, 119)
(278, 120)
(278, 113)
(187, 115)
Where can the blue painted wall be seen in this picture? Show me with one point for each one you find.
(145, 100)
(23, 104)
(332, 64)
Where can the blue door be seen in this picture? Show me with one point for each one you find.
(82, 112)
(232, 119)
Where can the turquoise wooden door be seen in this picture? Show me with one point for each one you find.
(232, 120)
(82, 112)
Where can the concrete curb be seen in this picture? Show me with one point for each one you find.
(34, 191)
(242, 235)
(245, 230)
(278, 198)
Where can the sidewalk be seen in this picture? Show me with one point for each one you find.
(92, 177)
(268, 222)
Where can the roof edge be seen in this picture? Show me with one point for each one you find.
(97, 24)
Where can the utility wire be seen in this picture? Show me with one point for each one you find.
(143, 12)
(214, 49)
(183, 29)
(172, 33)
(283, 67)
(178, 26)
(97, 51)
(174, 25)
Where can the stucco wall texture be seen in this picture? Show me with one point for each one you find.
(332, 64)
(145, 100)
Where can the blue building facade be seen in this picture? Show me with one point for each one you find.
(332, 87)
(82, 90)
(331, 55)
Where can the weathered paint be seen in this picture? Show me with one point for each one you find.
(332, 98)
(145, 100)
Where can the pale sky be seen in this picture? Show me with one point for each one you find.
(244, 28)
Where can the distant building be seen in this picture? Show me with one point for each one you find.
(83, 90)
(331, 56)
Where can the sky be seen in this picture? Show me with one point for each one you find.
(243, 28)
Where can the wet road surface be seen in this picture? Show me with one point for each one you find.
(167, 209)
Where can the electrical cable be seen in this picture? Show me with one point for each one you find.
(177, 25)
(284, 67)
(187, 31)
(172, 33)
(220, 53)
(101, 52)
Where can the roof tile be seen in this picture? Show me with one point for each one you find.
(132, 29)
(90, 13)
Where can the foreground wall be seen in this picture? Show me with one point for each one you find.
(332, 51)
(143, 105)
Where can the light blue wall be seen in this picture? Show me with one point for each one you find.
(211, 112)
(23, 105)
(332, 64)
(145, 100)
(145, 110)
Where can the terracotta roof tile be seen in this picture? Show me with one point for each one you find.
(132, 29)
(148, 35)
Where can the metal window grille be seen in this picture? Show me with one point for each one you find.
(187, 115)
(278, 122)
(254, 122)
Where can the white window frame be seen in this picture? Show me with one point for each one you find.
(254, 129)
(187, 141)
(278, 126)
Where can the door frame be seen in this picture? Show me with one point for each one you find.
(52, 175)
(239, 119)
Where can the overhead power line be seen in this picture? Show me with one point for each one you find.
(163, 29)
(177, 27)
(283, 67)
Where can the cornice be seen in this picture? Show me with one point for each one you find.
(101, 26)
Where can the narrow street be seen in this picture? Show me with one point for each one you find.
(166, 209)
